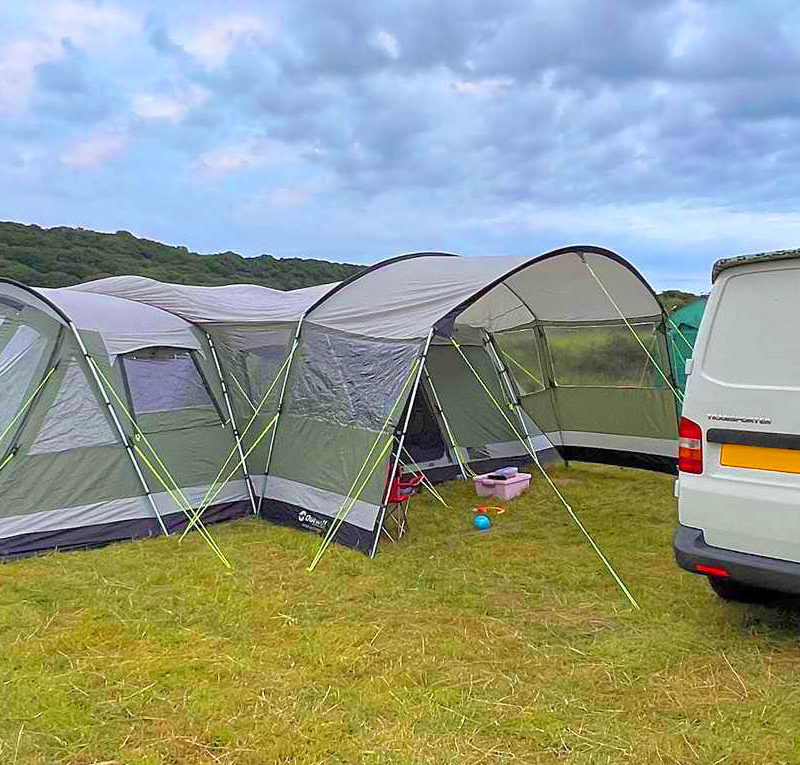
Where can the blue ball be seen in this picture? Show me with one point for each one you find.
(482, 522)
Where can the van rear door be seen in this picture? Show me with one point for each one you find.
(744, 392)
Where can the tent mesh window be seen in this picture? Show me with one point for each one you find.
(348, 380)
(606, 355)
(165, 380)
(263, 365)
(519, 352)
(21, 352)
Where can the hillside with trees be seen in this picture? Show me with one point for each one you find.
(59, 257)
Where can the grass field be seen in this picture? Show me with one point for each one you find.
(451, 647)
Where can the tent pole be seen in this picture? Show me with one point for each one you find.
(393, 471)
(549, 480)
(118, 426)
(440, 412)
(670, 383)
(295, 343)
(513, 398)
(235, 430)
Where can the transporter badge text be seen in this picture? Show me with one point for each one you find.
(737, 418)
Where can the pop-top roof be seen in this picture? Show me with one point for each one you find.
(756, 257)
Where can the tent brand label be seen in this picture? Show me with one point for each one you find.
(310, 520)
(736, 418)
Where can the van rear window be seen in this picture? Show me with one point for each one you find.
(754, 337)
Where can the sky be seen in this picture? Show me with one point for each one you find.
(666, 130)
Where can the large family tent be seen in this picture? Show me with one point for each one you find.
(684, 324)
(112, 421)
(250, 329)
(302, 406)
(571, 344)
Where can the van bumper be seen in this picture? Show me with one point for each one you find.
(770, 573)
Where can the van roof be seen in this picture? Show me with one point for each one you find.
(756, 257)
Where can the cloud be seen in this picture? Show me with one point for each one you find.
(169, 107)
(18, 62)
(54, 32)
(290, 196)
(387, 42)
(212, 44)
(668, 126)
(485, 87)
(88, 23)
(94, 151)
(244, 155)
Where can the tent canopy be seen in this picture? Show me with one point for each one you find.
(232, 304)
(123, 325)
(419, 290)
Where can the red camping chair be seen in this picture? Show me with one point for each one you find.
(403, 488)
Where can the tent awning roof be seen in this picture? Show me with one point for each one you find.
(123, 325)
(404, 297)
(232, 304)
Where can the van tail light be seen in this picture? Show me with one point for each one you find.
(710, 569)
(690, 447)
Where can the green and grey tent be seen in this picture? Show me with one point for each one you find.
(112, 421)
(433, 360)
(684, 325)
(571, 340)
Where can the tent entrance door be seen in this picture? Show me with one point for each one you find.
(424, 440)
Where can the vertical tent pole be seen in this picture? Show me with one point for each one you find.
(440, 412)
(393, 471)
(295, 343)
(513, 398)
(235, 430)
(118, 426)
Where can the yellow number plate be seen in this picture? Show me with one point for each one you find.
(760, 458)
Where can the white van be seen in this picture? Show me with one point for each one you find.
(738, 484)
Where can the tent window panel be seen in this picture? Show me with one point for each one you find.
(165, 380)
(606, 356)
(263, 365)
(19, 360)
(75, 418)
(350, 381)
(519, 351)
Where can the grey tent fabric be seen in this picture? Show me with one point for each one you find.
(75, 419)
(233, 304)
(19, 360)
(123, 325)
(407, 296)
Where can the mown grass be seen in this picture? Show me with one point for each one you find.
(452, 647)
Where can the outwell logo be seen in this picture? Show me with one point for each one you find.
(310, 520)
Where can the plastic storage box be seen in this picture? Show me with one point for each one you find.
(508, 489)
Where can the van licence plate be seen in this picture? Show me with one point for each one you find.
(760, 458)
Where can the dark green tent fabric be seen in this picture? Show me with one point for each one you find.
(683, 327)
